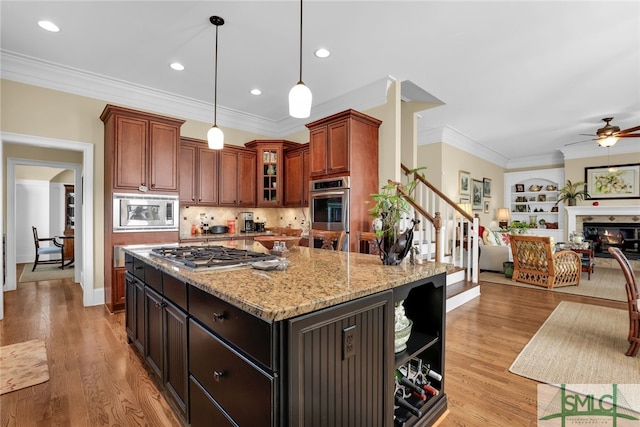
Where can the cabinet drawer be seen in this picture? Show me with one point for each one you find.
(153, 277)
(205, 412)
(244, 392)
(248, 332)
(175, 290)
(138, 268)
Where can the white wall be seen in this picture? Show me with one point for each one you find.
(33, 205)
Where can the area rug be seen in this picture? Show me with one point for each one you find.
(23, 365)
(45, 272)
(580, 344)
(605, 283)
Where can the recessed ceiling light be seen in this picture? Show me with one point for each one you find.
(177, 66)
(256, 92)
(322, 53)
(49, 26)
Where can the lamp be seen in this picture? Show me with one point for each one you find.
(215, 136)
(608, 141)
(503, 217)
(300, 95)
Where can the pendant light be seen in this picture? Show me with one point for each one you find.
(215, 136)
(300, 95)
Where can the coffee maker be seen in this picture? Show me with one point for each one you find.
(246, 222)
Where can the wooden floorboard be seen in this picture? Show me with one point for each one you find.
(98, 380)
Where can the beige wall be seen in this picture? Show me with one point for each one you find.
(443, 162)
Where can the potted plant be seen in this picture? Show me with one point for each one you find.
(389, 208)
(572, 192)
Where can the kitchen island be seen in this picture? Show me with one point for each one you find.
(310, 345)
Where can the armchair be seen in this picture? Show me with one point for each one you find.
(535, 263)
(57, 248)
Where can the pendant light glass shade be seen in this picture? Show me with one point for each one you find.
(609, 141)
(300, 96)
(215, 138)
(300, 101)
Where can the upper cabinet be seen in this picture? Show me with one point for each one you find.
(296, 183)
(198, 173)
(270, 170)
(141, 150)
(237, 177)
(339, 143)
(224, 177)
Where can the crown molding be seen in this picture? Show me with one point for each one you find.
(36, 72)
(450, 136)
(545, 160)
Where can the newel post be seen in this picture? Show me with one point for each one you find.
(437, 223)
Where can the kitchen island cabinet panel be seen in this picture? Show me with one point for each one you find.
(338, 357)
(176, 357)
(154, 343)
(244, 391)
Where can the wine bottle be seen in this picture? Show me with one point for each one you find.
(430, 390)
(400, 402)
(406, 382)
(433, 374)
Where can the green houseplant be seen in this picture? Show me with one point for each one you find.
(388, 209)
(572, 192)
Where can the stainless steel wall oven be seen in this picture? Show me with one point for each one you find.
(136, 212)
(329, 204)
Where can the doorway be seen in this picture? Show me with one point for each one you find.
(84, 247)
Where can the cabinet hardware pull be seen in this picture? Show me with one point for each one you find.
(217, 375)
(218, 316)
(138, 268)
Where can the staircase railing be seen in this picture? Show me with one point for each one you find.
(450, 235)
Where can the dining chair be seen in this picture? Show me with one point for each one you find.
(632, 300)
(369, 239)
(332, 240)
(57, 248)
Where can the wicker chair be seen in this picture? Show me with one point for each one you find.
(536, 264)
(633, 294)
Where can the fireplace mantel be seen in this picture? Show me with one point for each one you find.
(574, 211)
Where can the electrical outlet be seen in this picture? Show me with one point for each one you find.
(348, 342)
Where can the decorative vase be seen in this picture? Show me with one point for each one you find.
(271, 170)
(508, 269)
(571, 202)
(394, 247)
(402, 328)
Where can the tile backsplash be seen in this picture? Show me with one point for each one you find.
(274, 217)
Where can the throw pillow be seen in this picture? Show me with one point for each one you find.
(489, 238)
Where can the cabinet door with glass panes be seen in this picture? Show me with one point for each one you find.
(270, 170)
(69, 210)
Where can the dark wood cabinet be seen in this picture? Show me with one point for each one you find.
(296, 170)
(237, 177)
(176, 358)
(270, 173)
(216, 177)
(134, 311)
(341, 365)
(154, 342)
(198, 173)
(141, 154)
(144, 150)
(343, 144)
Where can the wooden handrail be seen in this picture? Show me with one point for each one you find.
(420, 178)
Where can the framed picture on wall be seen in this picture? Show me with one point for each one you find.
(476, 195)
(613, 182)
(486, 187)
(464, 183)
(486, 207)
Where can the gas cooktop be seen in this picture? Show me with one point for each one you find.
(209, 257)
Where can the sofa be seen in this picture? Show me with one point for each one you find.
(494, 250)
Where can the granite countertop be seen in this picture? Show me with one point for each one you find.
(314, 279)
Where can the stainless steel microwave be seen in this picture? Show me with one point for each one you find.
(135, 212)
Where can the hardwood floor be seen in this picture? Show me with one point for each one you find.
(97, 379)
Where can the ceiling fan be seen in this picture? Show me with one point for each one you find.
(609, 134)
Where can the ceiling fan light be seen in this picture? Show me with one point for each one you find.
(300, 98)
(215, 138)
(609, 141)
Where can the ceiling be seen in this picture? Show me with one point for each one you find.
(517, 80)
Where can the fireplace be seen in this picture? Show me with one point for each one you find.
(622, 235)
